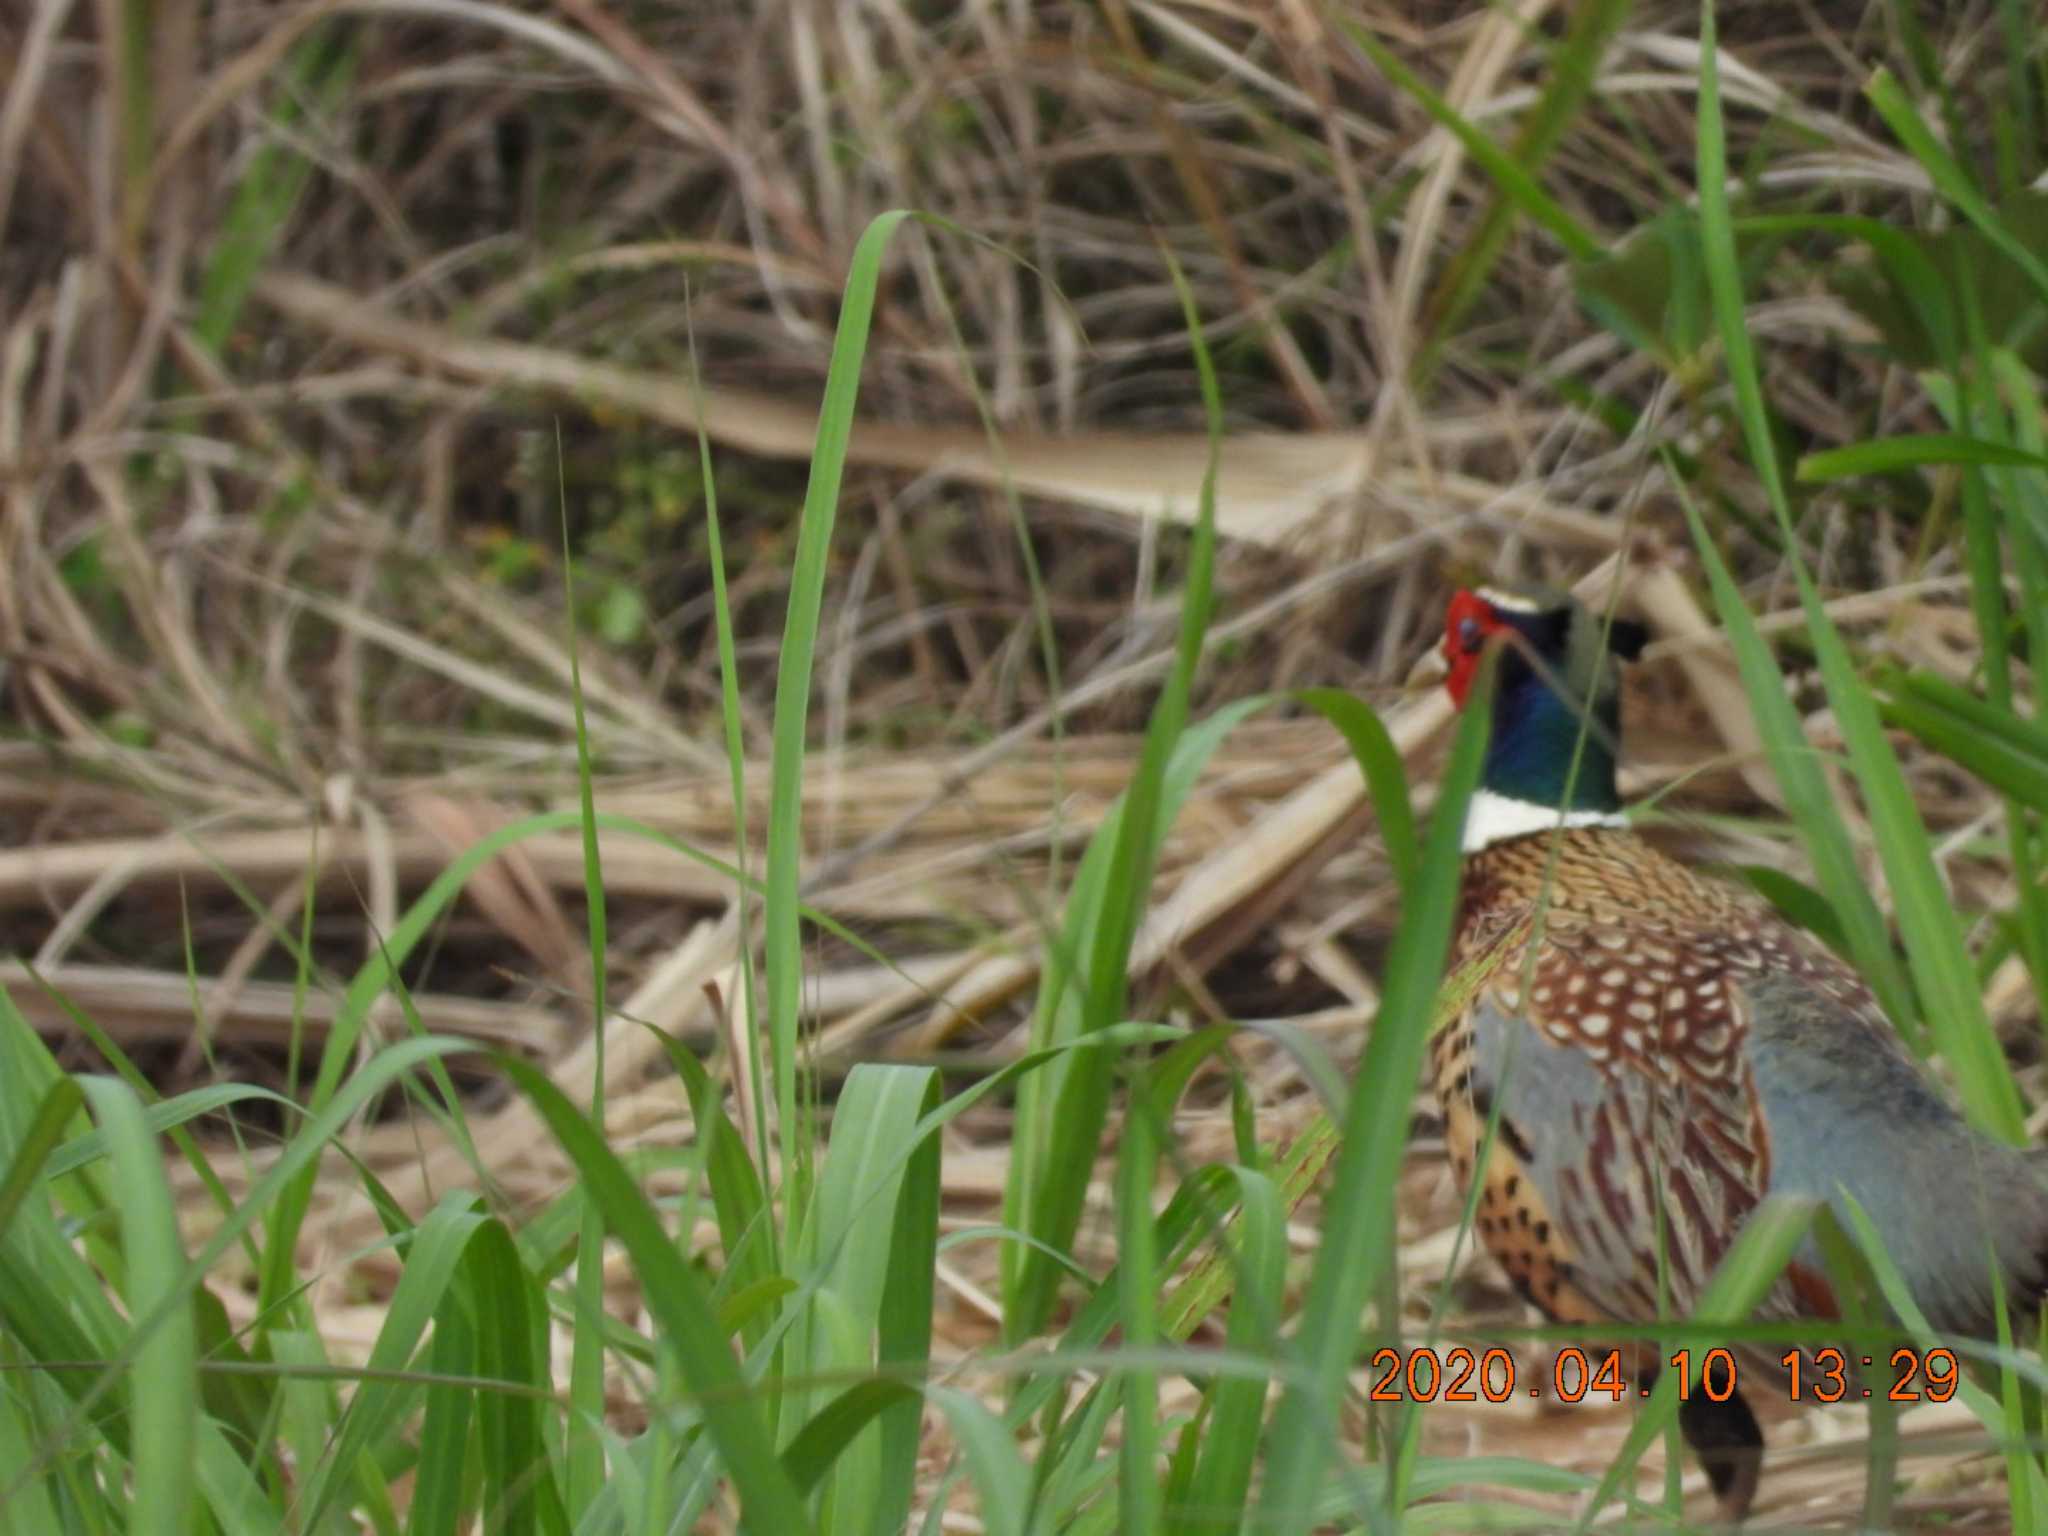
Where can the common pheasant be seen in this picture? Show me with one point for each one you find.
(1663, 1051)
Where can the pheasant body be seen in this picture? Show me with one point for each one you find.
(1662, 1054)
(1655, 1053)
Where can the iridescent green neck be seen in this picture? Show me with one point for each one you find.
(1535, 737)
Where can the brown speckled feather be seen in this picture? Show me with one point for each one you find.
(1592, 944)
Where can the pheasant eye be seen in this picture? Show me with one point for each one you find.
(1470, 636)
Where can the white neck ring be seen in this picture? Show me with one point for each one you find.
(1494, 818)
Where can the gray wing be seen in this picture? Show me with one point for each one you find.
(1648, 1173)
(1850, 1111)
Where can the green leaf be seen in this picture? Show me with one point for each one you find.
(1807, 795)
(1221, 1487)
(1386, 778)
(1887, 455)
(782, 946)
(745, 1225)
(433, 1257)
(81, 1151)
(520, 1489)
(438, 1503)
(1358, 1217)
(2005, 751)
(904, 1327)
(835, 1426)
(1001, 1479)
(676, 1296)
(870, 1244)
(1769, 1237)
(1928, 923)
(317, 73)
(1949, 177)
(1058, 1126)
(1651, 291)
(163, 1381)
(1567, 79)
(1513, 180)
(59, 1106)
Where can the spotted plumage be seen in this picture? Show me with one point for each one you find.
(1642, 1055)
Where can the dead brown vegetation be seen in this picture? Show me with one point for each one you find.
(281, 530)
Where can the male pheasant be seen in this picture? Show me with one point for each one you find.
(1663, 1051)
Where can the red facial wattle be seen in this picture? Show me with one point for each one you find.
(1468, 623)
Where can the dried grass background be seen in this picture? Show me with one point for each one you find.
(282, 502)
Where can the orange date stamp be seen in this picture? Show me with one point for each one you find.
(1458, 1375)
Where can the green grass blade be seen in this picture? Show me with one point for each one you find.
(1358, 1219)
(1797, 902)
(1887, 455)
(1861, 1306)
(2005, 751)
(378, 973)
(53, 1117)
(1567, 78)
(132, 107)
(433, 1257)
(1949, 177)
(736, 762)
(235, 1500)
(1000, 1475)
(374, 1077)
(1515, 183)
(1054, 1146)
(1899, 1297)
(1138, 1309)
(161, 1118)
(585, 1470)
(447, 1424)
(855, 1253)
(163, 1376)
(746, 1227)
(1049, 1151)
(318, 73)
(1807, 797)
(1179, 1500)
(2022, 507)
(520, 1492)
(1221, 1486)
(1928, 922)
(904, 1324)
(782, 942)
(676, 1296)
(821, 1442)
(1759, 1254)
(1386, 778)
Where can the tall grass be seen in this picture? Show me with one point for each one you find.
(1946, 978)
(785, 1376)
(825, 1283)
